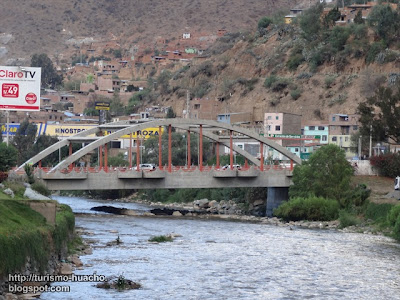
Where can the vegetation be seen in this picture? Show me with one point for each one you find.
(8, 157)
(50, 77)
(25, 233)
(326, 174)
(311, 208)
(385, 124)
(161, 239)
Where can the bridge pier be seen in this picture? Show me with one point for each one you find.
(275, 197)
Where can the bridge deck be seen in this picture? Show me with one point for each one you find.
(178, 177)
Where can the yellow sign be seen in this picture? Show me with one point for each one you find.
(102, 105)
(64, 130)
(143, 134)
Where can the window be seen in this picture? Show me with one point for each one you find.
(311, 127)
(269, 118)
(278, 128)
(333, 119)
(197, 106)
(269, 127)
(346, 139)
(334, 139)
(277, 117)
(296, 149)
(50, 117)
(324, 138)
(321, 128)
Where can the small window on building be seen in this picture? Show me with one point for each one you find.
(197, 106)
(269, 127)
(346, 139)
(61, 118)
(269, 118)
(312, 127)
(296, 149)
(277, 117)
(321, 128)
(278, 128)
(240, 146)
(324, 138)
(333, 119)
(50, 117)
(334, 139)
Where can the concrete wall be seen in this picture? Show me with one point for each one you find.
(46, 209)
(275, 197)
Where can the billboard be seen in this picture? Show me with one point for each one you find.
(20, 88)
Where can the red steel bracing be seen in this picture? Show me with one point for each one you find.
(169, 148)
(159, 148)
(291, 165)
(101, 157)
(130, 151)
(105, 157)
(261, 156)
(40, 164)
(217, 154)
(246, 164)
(201, 148)
(188, 149)
(137, 151)
(231, 150)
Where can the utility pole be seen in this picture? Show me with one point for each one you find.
(187, 104)
(370, 142)
(359, 146)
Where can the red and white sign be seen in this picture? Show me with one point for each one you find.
(20, 88)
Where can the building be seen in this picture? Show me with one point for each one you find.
(341, 128)
(317, 130)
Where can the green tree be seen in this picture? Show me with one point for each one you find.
(171, 114)
(358, 19)
(264, 22)
(326, 174)
(23, 140)
(50, 77)
(385, 22)
(117, 161)
(8, 157)
(332, 16)
(381, 113)
(310, 22)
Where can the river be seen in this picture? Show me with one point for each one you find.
(231, 260)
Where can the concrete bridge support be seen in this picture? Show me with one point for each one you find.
(275, 197)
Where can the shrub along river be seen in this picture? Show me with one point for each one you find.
(230, 260)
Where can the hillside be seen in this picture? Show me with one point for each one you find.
(57, 27)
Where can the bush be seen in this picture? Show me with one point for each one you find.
(378, 212)
(279, 85)
(393, 215)
(387, 164)
(264, 22)
(396, 230)
(373, 51)
(346, 219)
(41, 189)
(161, 239)
(312, 208)
(329, 80)
(295, 94)
(270, 80)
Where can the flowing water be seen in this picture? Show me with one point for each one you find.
(231, 260)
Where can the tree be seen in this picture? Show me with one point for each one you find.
(358, 19)
(326, 174)
(332, 16)
(23, 140)
(170, 113)
(8, 157)
(381, 113)
(310, 22)
(385, 22)
(50, 78)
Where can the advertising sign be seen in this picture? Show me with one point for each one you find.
(102, 105)
(12, 129)
(20, 88)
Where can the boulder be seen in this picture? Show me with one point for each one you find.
(258, 202)
(33, 195)
(177, 213)
(1, 187)
(213, 204)
(202, 203)
(65, 269)
(76, 261)
(9, 192)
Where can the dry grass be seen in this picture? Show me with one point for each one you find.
(380, 187)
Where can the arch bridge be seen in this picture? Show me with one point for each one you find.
(65, 176)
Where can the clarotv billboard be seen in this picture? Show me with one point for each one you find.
(20, 88)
